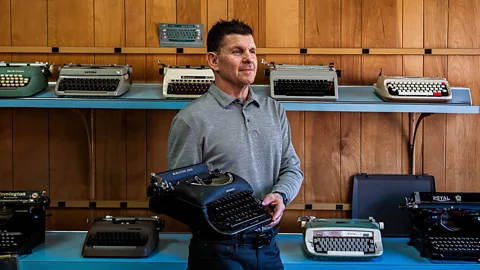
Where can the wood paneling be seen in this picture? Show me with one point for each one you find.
(70, 23)
(297, 127)
(322, 23)
(136, 154)
(463, 24)
(6, 143)
(382, 24)
(247, 11)
(5, 19)
(158, 11)
(29, 32)
(135, 23)
(288, 16)
(109, 23)
(216, 10)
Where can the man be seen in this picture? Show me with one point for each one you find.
(241, 132)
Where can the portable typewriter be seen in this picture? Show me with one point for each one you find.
(444, 226)
(122, 237)
(23, 79)
(93, 80)
(22, 220)
(412, 89)
(207, 199)
(186, 81)
(342, 239)
(302, 82)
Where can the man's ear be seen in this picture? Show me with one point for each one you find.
(212, 60)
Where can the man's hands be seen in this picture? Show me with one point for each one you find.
(275, 201)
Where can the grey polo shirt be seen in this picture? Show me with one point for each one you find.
(250, 139)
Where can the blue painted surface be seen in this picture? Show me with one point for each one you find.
(62, 250)
(149, 96)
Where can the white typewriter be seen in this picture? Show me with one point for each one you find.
(342, 239)
(412, 89)
(186, 81)
(93, 80)
(303, 82)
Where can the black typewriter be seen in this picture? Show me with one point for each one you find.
(123, 237)
(207, 199)
(445, 226)
(22, 220)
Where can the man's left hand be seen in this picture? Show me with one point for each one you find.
(275, 201)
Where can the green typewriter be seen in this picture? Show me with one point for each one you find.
(342, 239)
(23, 79)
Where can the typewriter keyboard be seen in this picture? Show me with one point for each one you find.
(456, 244)
(9, 241)
(88, 84)
(238, 211)
(117, 239)
(12, 81)
(417, 88)
(304, 87)
(343, 244)
(188, 87)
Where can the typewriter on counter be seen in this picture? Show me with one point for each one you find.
(93, 80)
(445, 226)
(22, 220)
(23, 79)
(342, 239)
(206, 199)
(122, 237)
(302, 82)
(412, 89)
(185, 81)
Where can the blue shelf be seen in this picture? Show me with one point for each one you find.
(62, 250)
(149, 96)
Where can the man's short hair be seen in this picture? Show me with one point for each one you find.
(222, 28)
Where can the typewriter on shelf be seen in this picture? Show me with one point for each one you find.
(207, 199)
(185, 81)
(181, 35)
(412, 89)
(444, 226)
(23, 79)
(342, 239)
(302, 82)
(22, 220)
(93, 80)
(122, 237)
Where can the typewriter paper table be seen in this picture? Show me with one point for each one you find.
(62, 251)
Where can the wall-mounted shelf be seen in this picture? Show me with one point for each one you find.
(149, 96)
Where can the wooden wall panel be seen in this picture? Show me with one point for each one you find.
(6, 143)
(287, 15)
(247, 11)
(382, 24)
(158, 11)
(64, 28)
(109, 16)
(216, 10)
(463, 24)
(351, 37)
(192, 12)
(297, 127)
(29, 32)
(5, 22)
(322, 23)
(135, 33)
(137, 177)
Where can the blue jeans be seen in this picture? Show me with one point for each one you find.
(227, 255)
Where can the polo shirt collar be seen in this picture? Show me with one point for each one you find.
(224, 99)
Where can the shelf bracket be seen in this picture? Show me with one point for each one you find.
(413, 127)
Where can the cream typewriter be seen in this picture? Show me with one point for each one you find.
(23, 79)
(185, 81)
(412, 89)
(303, 82)
(93, 80)
(342, 239)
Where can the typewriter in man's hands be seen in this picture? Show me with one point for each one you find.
(342, 239)
(412, 89)
(122, 237)
(22, 220)
(185, 81)
(302, 82)
(445, 226)
(206, 199)
(93, 80)
(23, 79)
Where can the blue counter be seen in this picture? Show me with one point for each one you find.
(62, 251)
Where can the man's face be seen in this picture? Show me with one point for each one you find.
(237, 60)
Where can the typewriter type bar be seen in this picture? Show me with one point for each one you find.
(23, 79)
(412, 89)
(93, 80)
(186, 82)
(303, 82)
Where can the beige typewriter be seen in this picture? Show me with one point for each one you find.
(186, 81)
(412, 89)
(303, 82)
(23, 79)
(93, 80)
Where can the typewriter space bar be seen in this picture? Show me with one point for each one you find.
(257, 218)
(315, 94)
(115, 247)
(345, 253)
